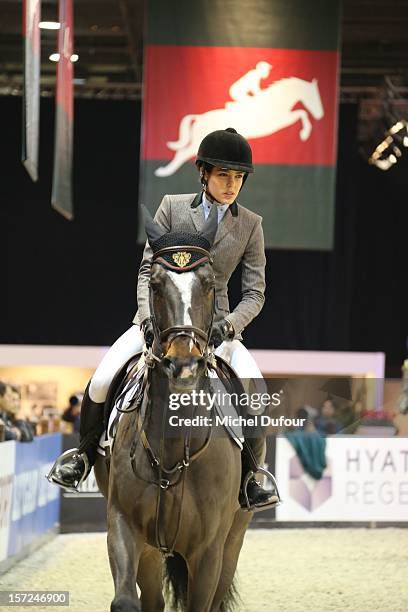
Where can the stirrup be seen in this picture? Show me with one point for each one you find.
(68, 454)
(275, 501)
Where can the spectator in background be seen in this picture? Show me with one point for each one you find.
(308, 444)
(326, 423)
(15, 428)
(72, 413)
(11, 432)
(36, 413)
(27, 432)
(308, 414)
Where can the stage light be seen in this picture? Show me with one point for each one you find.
(388, 151)
(396, 127)
(74, 57)
(49, 25)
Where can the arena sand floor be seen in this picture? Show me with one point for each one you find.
(283, 570)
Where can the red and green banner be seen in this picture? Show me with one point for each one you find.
(31, 86)
(268, 68)
(64, 115)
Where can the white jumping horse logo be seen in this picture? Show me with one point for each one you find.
(264, 112)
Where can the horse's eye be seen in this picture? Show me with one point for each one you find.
(207, 279)
(208, 284)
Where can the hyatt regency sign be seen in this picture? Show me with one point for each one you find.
(366, 479)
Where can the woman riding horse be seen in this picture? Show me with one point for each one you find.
(224, 161)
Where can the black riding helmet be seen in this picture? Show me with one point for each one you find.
(226, 149)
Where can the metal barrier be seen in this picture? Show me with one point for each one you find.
(29, 504)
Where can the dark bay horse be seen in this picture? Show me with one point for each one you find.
(173, 511)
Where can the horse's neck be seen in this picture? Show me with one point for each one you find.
(158, 398)
(159, 414)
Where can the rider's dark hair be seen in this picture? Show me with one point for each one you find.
(204, 167)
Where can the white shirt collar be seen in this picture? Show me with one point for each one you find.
(222, 208)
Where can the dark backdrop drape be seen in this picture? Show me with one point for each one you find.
(74, 282)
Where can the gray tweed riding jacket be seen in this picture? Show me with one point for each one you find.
(239, 238)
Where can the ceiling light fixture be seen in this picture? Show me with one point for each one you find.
(49, 25)
(54, 57)
(387, 152)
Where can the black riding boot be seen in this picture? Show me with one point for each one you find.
(73, 471)
(253, 496)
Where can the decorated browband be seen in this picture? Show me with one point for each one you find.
(182, 258)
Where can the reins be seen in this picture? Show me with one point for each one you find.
(167, 477)
(157, 463)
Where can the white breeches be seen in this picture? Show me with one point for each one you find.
(132, 341)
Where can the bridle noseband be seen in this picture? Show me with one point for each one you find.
(190, 331)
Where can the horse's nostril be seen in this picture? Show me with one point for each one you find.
(168, 365)
(200, 364)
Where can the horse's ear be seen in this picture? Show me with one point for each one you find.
(210, 228)
(152, 229)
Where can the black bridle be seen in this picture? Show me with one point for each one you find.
(190, 331)
(167, 477)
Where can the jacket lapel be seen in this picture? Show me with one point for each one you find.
(197, 213)
(225, 227)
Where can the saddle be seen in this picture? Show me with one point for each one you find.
(121, 379)
(127, 388)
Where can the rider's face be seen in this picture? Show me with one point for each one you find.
(224, 184)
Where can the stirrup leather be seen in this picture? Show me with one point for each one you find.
(52, 476)
(276, 499)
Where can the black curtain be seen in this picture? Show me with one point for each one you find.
(379, 314)
(75, 282)
(309, 293)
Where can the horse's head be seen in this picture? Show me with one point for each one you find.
(312, 100)
(182, 299)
